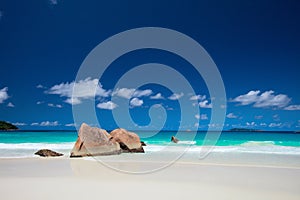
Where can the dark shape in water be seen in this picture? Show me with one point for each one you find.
(143, 143)
(174, 139)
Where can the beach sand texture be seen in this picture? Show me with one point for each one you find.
(64, 178)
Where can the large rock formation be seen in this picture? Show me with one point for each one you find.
(129, 141)
(94, 141)
(47, 153)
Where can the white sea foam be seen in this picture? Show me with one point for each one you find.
(25, 150)
(21, 150)
(187, 142)
(258, 143)
(265, 148)
(66, 145)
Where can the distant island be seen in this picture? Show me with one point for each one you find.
(7, 126)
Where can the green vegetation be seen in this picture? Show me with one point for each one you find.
(7, 126)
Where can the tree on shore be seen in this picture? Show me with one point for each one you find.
(7, 126)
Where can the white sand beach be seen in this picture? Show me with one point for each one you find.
(65, 178)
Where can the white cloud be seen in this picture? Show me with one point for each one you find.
(19, 124)
(258, 116)
(107, 105)
(231, 116)
(292, 107)
(83, 89)
(70, 125)
(135, 102)
(157, 96)
(157, 106)
(3, 94)
(54, 105)
(272, 125)
(73, 101)
(128, 93)
(40, 86)
(276, 117)
(175, 96)
(140, 93)
(53, 2)
(263, 100)
(263, 124)
(46, 123)
(251, 124)
(223, 106)
(205, 104)
(198, 97)
(124, 92)
(203, 117)
(39, 102)
(10, 104)
(216, 126)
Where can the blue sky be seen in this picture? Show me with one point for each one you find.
(256, 46)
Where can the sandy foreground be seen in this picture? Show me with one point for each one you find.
(64, 178)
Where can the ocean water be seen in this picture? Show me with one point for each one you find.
(17, 144)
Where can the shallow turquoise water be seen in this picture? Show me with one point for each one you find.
(23, 144)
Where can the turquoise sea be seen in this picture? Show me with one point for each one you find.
(25, 143)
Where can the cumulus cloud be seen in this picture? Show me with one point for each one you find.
(176, 96)
(258, 116)
(53, 2)
(203, 116)
(231, 116)
(198, 97)
(292, 107)
(3, 94)
(10, 104)
(54, 105)
(157, 96)
(251, 124)
(136, 102)
(124, 92)
(70, 125)
(46, 123)
(40, 86)
(272, 125)
(205, 104)
(128, 93)
(39, 102)
(19, 124)
(83, 89)
(263, 100)
(73, 101)
(276, 117)
(263, 124)
(109, 105)
(140, 93)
